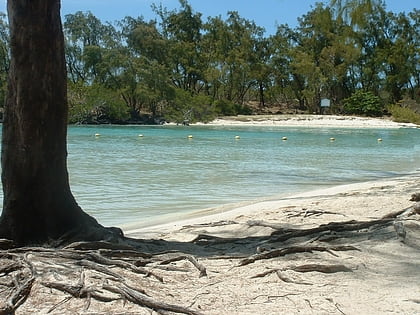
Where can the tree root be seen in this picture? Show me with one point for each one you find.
(200, 267)
(18, 297)
(306, 268)
(105, 269)
(337, 227)
(293, 250)
(142, 299)
(307, 213)
(64, 264)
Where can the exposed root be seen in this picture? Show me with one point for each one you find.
(97, 279)
(307, 268)
(199, 266)
(110, 272)
(292, 250)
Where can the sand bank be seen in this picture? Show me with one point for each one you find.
(309, 121)
(380, 275)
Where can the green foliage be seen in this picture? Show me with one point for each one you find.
(404, 114)
(227, 108)
(363, 103)
(221, 64)
(189, 108)
(95, 104)
(178, 67)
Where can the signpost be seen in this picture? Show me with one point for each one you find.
(325, 103)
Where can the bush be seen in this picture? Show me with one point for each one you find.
(228, 108)
(404, 114)
(189, 108)
(364, 104)
(95, 104)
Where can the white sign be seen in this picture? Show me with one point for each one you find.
(325, 102)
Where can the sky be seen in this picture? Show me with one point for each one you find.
(265, 13)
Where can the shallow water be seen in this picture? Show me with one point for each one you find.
(121, 178)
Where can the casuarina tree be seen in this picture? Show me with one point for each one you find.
(38, 205)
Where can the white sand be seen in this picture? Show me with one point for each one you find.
(309, 121)
(385, 273)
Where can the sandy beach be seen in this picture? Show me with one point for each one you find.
(380, 276)
(309, 121)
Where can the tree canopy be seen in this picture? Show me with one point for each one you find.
(179, 66)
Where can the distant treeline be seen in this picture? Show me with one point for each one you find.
(178, 67)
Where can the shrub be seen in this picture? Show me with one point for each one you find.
(404, 114)
(228, 108)
(190, 108)
(364, 104)
(95, 104)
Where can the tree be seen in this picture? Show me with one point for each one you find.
(355, 12)
(4, 56)
(38, 204)
(182, 30)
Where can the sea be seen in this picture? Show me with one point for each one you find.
(127, 174)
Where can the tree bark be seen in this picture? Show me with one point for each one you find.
(38, 204)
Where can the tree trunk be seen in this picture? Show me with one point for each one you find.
(261, 89)
(38, 205)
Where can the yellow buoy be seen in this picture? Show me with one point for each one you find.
(97, 134)
(380, 140)
(190, 136)
(284, 138)
(332, 139)
(237, 137)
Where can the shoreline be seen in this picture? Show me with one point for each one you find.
(172, 223)
(300, 120)
(377, 262)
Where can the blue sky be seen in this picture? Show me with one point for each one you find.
(265, 13)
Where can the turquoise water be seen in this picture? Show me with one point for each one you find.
(119, 177)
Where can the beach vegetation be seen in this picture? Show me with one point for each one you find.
(230, 66)
(405, 112)
(364, 104)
